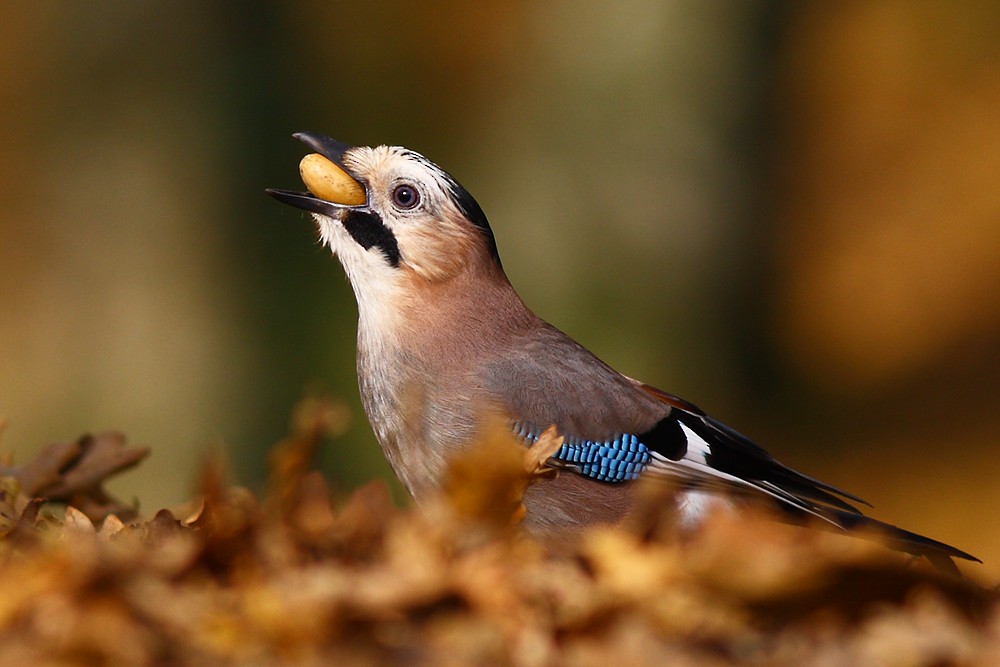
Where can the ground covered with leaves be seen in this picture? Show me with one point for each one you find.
(302, 576)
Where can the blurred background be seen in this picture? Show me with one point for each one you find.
(788, 213)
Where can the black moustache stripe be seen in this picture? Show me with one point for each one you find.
(368, 230)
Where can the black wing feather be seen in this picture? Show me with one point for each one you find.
(735, 454)
(732, 453)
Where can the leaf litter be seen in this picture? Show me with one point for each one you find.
(303, 575)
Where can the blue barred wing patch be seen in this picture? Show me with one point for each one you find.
(621, 459)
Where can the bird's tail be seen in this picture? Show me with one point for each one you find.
(938, 553)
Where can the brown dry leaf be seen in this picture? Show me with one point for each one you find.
(76, 520)
(75, 472)
(44, 469)
(191, 511)
(10, 491)
(537, 455)
(314, 419)
(111, 526)
(353, 531)
(486, 481)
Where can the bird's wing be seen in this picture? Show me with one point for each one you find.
(617, 429)
(688, 447)
(716, 450)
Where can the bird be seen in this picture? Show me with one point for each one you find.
(443, 339)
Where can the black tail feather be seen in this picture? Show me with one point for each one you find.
(938, 553)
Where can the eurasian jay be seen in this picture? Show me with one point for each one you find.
(443, 339)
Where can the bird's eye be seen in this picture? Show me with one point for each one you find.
(405, 196)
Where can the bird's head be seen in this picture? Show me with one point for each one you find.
(388, 213)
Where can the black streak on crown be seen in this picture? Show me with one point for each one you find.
(474, 213)
(466, 204)
(368, 230)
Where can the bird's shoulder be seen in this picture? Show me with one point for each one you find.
(545, 377)
(627, 428)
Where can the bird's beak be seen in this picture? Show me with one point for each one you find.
(331, 186)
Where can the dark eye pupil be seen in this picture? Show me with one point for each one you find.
(405, 196)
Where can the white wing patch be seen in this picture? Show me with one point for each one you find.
(694, 506)
(694, 471)
(697, 448)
